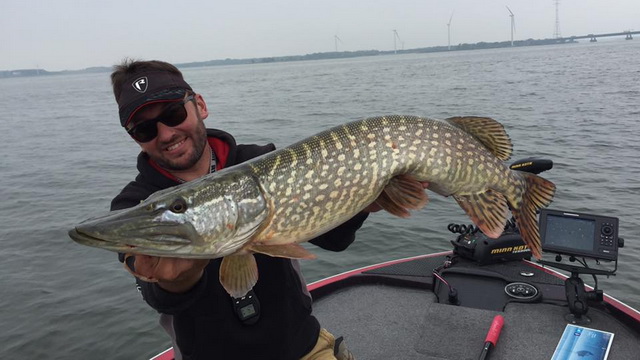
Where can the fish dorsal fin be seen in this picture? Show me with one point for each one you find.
(290, 251)
(238, 274)
(488, 210)
(488, 131)
(403, 193)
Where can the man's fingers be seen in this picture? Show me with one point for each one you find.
(130, 262)
(147, 265)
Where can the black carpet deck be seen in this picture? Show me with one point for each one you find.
(381, 321)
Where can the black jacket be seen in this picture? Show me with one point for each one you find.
(204, 321)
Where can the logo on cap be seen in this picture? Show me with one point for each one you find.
(140, 84)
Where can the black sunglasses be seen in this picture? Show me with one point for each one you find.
(172, 115)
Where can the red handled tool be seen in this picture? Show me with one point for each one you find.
(492, 336)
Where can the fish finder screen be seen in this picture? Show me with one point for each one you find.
(571, 233)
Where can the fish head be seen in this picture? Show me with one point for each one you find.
(207, 218)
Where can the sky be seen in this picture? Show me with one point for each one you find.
(72, 35)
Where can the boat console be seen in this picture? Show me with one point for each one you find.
(577, 237)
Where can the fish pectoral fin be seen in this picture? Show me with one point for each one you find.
(403, 193)
(289, 251)
(488, 131)
(238, 274)
(488, 210)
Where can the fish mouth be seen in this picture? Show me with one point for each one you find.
(140, 234)
(151, 242)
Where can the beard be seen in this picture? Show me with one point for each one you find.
(199, 141)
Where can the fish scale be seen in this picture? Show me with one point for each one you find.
(271, 203)
(329, 183)
(385, 146)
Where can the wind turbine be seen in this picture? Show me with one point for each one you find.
(396, 36)
(556, 32)
(449, 32)
(336, 39)
(513, 24)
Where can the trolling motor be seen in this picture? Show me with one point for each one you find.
(584, 236)
(532, 165)
(472, 244)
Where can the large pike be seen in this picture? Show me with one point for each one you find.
(272, 203)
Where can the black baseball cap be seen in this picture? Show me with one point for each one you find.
(148, 87)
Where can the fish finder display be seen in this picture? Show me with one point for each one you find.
(570, 232)
(579, 234)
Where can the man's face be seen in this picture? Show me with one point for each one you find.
(179, 147)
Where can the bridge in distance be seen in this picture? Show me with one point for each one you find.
(593, 37)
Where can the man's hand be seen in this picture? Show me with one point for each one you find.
(172, 274)
(374, 207)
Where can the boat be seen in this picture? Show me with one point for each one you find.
(487, 298)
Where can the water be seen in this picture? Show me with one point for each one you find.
(65, 156)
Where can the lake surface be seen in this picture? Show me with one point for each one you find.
(65, 157)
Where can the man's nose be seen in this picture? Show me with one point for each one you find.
(165, 132)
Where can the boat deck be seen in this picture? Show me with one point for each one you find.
(395, 312)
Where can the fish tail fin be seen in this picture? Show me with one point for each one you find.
(538, 193)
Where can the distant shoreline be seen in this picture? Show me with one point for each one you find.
(315, 56)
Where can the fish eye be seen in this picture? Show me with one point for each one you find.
(178, 206)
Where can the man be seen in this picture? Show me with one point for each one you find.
(166, 118)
